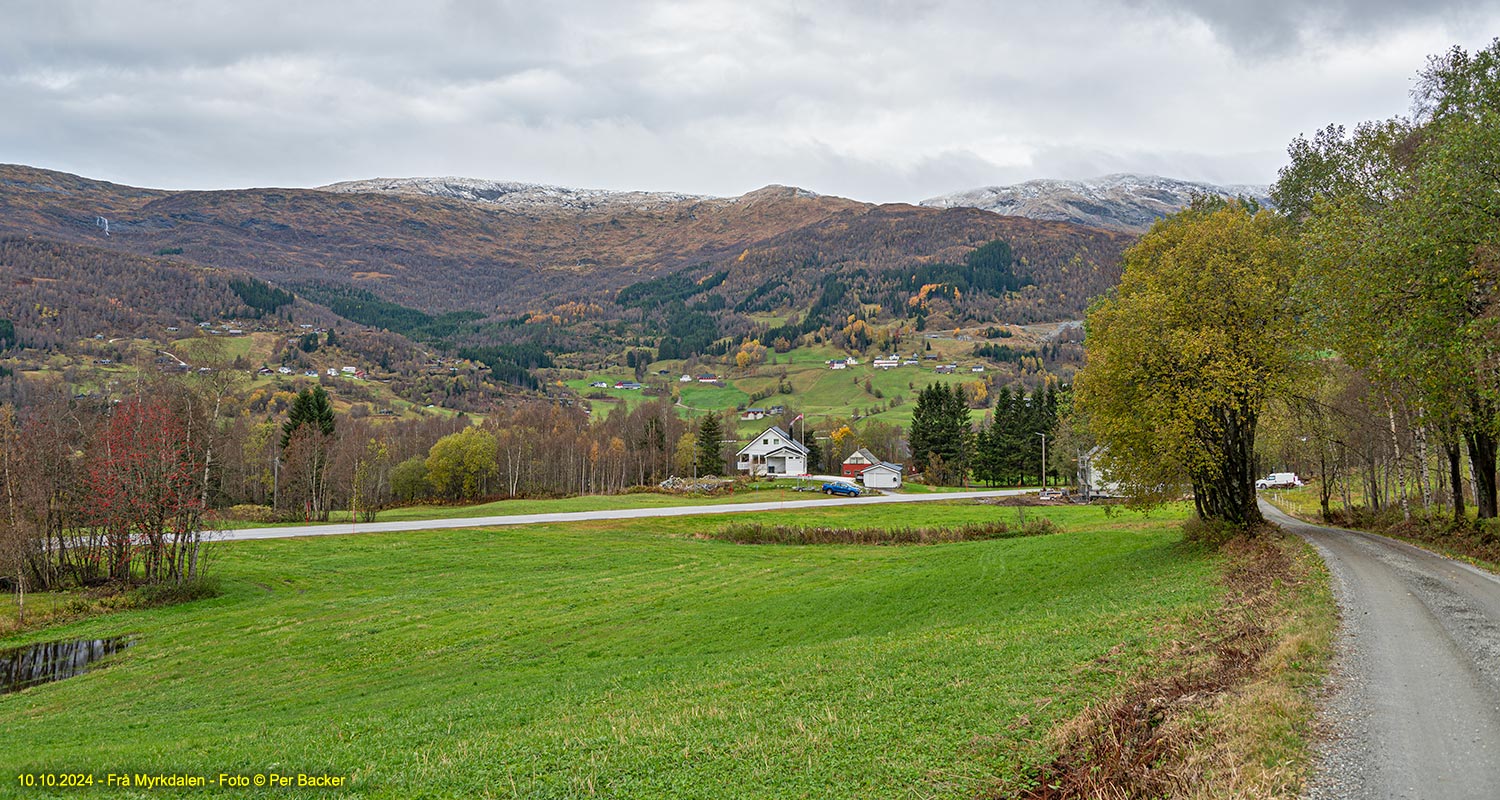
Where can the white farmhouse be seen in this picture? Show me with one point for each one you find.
(1092, 481)
(773, 452)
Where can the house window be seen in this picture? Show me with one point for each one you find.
(765, 441)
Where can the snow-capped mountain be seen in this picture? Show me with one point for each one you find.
(512, 195)
(1115, 202)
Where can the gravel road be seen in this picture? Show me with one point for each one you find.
(290, 531)
(1413, 705)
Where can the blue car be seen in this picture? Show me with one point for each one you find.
(844, 489)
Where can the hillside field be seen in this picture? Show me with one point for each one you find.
(822, 393)
(624, 659)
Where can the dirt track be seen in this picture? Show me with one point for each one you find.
(1414, 704)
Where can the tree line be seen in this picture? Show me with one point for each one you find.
(1005, 448)
(1349, 331)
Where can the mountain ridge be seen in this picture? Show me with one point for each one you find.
(441, 253)
(1126, 202)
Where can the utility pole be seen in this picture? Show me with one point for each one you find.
(1044, 459)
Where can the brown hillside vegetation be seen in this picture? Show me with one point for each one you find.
(442, 254)
(59, 292)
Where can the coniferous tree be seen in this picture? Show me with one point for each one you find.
(306, 442)
(814, 451)
(312, 408)
(986, 455)
(924, 427)
(710, 456)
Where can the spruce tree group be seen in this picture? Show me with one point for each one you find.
(1008, 449)
(941, 437)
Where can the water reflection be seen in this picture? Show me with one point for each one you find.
(21, 667)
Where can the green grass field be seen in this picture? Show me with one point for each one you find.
(699, 397)
(623, 659)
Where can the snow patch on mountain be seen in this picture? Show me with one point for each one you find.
(513, 195)
(1115, 202)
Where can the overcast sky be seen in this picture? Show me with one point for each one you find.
(874, 99)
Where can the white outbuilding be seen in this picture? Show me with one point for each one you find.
(884, 475)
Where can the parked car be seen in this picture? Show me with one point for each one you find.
(1279, 480)
(844, 489)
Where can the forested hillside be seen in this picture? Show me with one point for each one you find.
(57, 292)
(441, 255)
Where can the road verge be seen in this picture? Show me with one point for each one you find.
(1227, 710)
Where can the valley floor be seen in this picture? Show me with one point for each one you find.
(626, 659)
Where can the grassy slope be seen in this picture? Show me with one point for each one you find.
(820, 392)
(624, 659)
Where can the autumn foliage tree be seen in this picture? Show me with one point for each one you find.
(144, 490)
(1184, 355)
(462, 465)
(1398, 222)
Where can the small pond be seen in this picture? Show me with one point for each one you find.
(23, 667)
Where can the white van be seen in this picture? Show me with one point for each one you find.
(1279, 480)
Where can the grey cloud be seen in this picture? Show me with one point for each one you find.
(1268, 27)
(881, 101)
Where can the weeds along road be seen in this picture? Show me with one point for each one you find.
(1414, 710)
(290, 531)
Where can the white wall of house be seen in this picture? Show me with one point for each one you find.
(881, 476)
(772, 453)
(858, 458)
(1092, 482)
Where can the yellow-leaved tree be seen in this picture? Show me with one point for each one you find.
(1185, 353)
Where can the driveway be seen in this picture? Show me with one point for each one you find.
(291, 531)
(1414, 703)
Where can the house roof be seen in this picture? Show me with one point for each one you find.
(896, 468)
(868, 456)
(776, 429)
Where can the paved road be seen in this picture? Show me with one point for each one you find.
(290, 531)
(1414, 709)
